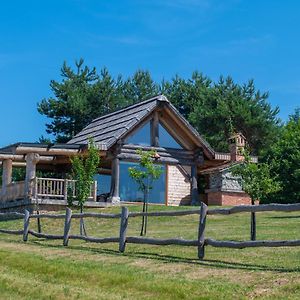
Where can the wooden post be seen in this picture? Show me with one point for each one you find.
(201, 231)
(123, 229)
(194, 185)
(31, 161)
(6, 175)
(26, 225)
(253, 224)
(154, 130)
(66, 190)
(67, 226)
(95, 191)
(35, 188)
(115, 181)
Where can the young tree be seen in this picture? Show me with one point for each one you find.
(257, 182)
(144, 174)
(84, 167)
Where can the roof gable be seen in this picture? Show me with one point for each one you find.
(108, 129)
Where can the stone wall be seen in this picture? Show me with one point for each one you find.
(224, 181)
(178, 186)
(230, 182)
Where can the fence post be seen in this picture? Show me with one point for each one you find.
(123, 229)
(67, 226)
(201, 237)
(253, 226)
(26, 225)
(66, 190)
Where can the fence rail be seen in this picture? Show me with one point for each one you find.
(123, 239)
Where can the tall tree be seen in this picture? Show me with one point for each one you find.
(284, 157)
(70, 105)
(139, 87)
(228, 105)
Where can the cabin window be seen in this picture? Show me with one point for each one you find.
(166, 140)
(103, 183)
(129, 188)
(141, 136)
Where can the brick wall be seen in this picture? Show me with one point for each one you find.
(179, 186)
(228, 198)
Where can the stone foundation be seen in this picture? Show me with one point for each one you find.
(228, 198)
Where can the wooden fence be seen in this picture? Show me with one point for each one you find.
(123, 239)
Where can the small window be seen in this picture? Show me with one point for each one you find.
(141, 137)
(166, 140)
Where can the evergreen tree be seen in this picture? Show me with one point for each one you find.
(227, 105)
(284, 157)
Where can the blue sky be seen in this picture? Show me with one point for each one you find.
(244, 39)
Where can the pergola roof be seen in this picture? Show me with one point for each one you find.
(18, 151)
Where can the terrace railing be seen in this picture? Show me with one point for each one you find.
(44, 188)
(54, 188)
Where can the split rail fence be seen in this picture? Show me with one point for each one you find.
(123, 239)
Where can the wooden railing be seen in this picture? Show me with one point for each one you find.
(14, 191)
(54, 188)
(124, 216)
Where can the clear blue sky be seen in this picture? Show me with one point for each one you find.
(244, 39)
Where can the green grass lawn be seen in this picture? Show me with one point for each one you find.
(43, 269)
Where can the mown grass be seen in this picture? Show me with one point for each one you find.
(43, 269)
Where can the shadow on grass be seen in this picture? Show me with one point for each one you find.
(284, 217)
(219, 264)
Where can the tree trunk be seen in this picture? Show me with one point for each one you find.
(81, 226)
(253, 223)
(146, 217)
(143, 218)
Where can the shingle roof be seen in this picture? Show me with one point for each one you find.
(108, 129)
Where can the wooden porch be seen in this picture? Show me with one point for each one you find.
(44, 188)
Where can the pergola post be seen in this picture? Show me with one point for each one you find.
(115, 181)
(6, 174)
(31, 161)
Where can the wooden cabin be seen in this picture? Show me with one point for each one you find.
(189, 163)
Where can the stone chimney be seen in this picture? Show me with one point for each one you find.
(237, 143)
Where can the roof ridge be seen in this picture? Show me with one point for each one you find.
(160, 97)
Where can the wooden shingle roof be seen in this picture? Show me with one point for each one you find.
(108, 129)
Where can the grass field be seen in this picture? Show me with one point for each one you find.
(41, 269)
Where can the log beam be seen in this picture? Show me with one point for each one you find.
(6, 175)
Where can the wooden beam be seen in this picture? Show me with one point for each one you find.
(43, 151)
(194, 185)
(163, 160)
(154, 130)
